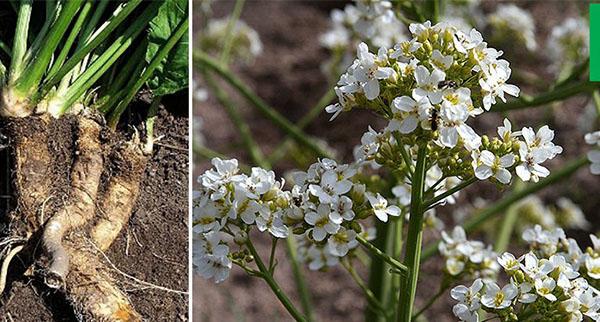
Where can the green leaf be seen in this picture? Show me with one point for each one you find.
(172, 74)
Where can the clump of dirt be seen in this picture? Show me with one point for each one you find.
(153, 247)
(287, 75)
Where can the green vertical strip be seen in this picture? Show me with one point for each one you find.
(595, 42)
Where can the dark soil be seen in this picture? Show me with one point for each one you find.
(152, 248)
(287, 76)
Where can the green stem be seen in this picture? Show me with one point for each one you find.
(272, 254)
(150, 119)
(414, 238)
(280, 150)
(164, 50)
(397, 253)
(504, 203)
(381, 255)
(203, 60)
(66, 46)
(20, 40)
(379, 274)
(99, 36)
(368, 293)
(303, 291)
(448, 193)
(242, 127)
(31, 76)
(235, 16)
(508, 224)
(268, 277)
(556, 94)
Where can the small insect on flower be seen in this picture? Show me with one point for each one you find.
(446, 84)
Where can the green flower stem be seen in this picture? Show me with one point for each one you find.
(268, 277)
(397, 253)
(20, 40)
(501, 205)
(508, 224)
(250, 144)
(164, 50)
(203, 60)
(379, 275)
(556, 94)
(414, 239)
(280, 150)
(235, 16)
(32, 74)
(381, 255)
(368, 293)
(455, 189)
(303, 291)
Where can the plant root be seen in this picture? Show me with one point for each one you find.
(121, 194)
(92, 291)
(6, 263)
(81, 205)
(32, 168)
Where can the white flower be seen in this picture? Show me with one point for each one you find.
(210, 256)
(590, 304)
(341, 242)
(496, 298)
(368, 73)
(453, 126)
(494, 85)
(505, 132)
(530, 168)
(513, 21)
(322, 224)
(544, 288)
(541, 141)
(427, 84)
(342, 210)
(594, 158)
(407, 113)
(330, 187)
(469, 296)
(402, 192)
(319, 257)
(381, 208)
(440, 60)
(492, 165)
(224, 170)
(508, 262)
(535, 268)
(271, 221)
(593, 267)
(593, 138)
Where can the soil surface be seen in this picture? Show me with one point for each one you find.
(152, 248)
(287, 75)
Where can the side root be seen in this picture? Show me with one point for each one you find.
(120, 196)
(81, 204)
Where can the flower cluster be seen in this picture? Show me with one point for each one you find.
(246, 44)
(594, 155)
(554, 281)
(566, 214)
(511, 24)
(428, 87)
(472, 259)
(322, 210)
(569, 43)
(373, 22)
(226, 204)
